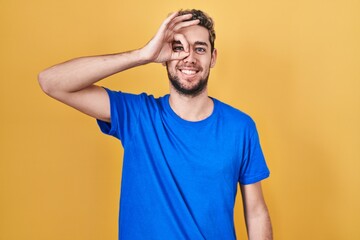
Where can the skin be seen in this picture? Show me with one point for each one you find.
(189, 71)
(257, 218)
(184, 48)
(195, 68)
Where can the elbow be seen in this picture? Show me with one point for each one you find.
(45, 83)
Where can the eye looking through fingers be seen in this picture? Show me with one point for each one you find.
(177, 46)
(180, 40)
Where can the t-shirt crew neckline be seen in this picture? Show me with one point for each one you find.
(210, 118)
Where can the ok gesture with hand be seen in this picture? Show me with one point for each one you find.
(159, 49)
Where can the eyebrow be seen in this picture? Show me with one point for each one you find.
(196, 43)
(201, 43)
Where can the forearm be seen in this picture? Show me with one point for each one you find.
(73, 82)
(256, 213)
(259, 226)
(80, 73)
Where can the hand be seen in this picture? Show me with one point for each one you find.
(159, 49)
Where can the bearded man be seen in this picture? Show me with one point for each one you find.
(184, 153)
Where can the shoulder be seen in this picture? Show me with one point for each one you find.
(141, 98)
(121, 94)
(234, 115)
(143, 104)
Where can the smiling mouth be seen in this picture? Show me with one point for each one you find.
(188, 72)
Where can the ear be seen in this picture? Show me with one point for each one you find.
(213, 58)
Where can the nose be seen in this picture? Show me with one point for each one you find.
(191, 58)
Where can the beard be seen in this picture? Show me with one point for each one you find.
(194, 91)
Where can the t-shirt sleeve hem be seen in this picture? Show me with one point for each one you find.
(255, 179)
(106, 127)
(109, 128)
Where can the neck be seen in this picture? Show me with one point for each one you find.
(191, 108)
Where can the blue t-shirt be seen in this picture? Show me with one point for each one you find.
(179, 178)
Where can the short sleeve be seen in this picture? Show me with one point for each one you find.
(124, 112)
(253, 168)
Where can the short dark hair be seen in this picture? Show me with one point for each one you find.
(205, 21)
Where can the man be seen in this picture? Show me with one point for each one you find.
(185, 152)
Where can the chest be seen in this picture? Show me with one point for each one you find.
(200, 153)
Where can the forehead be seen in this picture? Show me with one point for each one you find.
(196, 33)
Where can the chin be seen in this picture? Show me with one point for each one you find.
(192, 85)
(191, 91)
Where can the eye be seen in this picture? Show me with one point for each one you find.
(200, 50)
(178, 48)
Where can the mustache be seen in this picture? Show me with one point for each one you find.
(189, 67)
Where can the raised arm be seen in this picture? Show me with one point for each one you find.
(257, 217)
(72, 82)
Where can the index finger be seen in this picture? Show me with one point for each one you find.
(181, 38)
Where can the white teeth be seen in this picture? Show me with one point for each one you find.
(188, 72)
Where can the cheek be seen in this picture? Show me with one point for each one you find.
(206, 59)
(207, 63)
(171, 65)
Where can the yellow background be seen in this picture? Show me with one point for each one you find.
(294, 66)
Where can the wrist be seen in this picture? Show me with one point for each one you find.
(144, 56)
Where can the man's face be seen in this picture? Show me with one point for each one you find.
(189, 76)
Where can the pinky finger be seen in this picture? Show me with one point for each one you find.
(170, 17)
